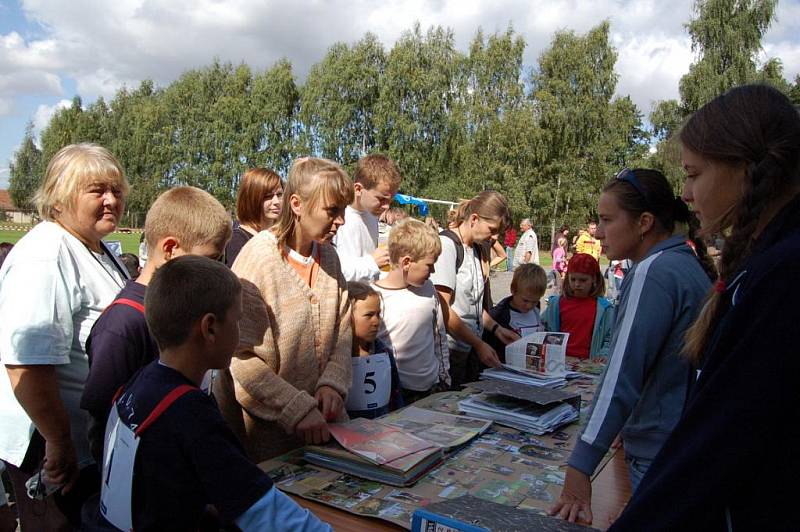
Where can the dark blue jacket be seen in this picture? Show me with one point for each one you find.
(732, 461)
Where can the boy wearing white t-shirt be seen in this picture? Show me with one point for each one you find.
(413, 320)
(377, 180)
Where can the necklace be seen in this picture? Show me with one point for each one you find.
(103, 251)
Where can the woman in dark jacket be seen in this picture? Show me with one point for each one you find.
(732, 459)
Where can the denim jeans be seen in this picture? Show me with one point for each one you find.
(510, 259)
(637, 467)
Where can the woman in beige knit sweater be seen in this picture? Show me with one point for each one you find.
(291, 373)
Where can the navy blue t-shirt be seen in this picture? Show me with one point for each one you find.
(239, 238)
(187, 459)
(118, 346)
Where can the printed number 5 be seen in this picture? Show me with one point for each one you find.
(369, 382)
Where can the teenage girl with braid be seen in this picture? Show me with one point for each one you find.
(732, 460)
(644, 386)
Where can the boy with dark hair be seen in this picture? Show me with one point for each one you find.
(377, 180)
(168, 450)
(182, 221)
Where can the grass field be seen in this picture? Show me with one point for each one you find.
(130, 241)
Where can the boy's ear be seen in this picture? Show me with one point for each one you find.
(168, 245)
(358, 187)
(405, 262)
(208, 327)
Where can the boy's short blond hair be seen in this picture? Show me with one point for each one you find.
(191, 215)
(413, 238)
(375, 169)
(529, 276)
(71, 170)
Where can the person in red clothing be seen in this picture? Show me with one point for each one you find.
(582, 311)
(510, 242)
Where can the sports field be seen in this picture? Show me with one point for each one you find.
(130, 241)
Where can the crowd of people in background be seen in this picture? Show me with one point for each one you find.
(142, 392)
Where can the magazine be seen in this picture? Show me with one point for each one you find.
(448, 431)
(541, 353)
(376, 442)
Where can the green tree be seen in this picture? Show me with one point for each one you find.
(26, 168)
(727, 35)
(490, 90)
(339, 97)
(137, 134)
(274, 128)
(418, 91)
(586, 135)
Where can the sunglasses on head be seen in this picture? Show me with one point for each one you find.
(627, 175)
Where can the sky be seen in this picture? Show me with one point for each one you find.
(51, 50)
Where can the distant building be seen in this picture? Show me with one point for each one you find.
(9, 213)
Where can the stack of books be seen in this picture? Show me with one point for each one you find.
(526, 408)
(511, 374)
(372, 450)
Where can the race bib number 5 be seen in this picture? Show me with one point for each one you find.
(372, 382)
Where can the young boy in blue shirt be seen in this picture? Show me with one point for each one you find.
(183, 455)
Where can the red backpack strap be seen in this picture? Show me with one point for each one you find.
(162, 406)
(127, 302)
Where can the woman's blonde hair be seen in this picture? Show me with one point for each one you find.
(72, 169)
(315, 181)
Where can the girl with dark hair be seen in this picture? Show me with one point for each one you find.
(645, 383)
(741, 153)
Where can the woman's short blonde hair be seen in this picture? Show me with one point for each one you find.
(315, 181)
(72, 169)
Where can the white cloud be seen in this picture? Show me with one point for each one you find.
(5, 173)
(103, 45)
(6, 106)
(43, 115)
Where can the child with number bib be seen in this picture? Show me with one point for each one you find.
(168, 452)
(376, 384)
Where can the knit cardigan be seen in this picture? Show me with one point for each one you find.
(294, 339)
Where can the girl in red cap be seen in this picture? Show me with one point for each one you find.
(582, 311)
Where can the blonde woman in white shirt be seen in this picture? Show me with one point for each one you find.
(53, 286)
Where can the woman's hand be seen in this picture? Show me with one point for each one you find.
(313, 428)
(60, 464)
(329, 402)
(575, 502)
(506, 335)
(487, 355)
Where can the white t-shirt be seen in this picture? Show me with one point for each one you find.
(527, 242)
(530, 321)
(52, 289)
(413, 326)
(355, 241)
(467, 286)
